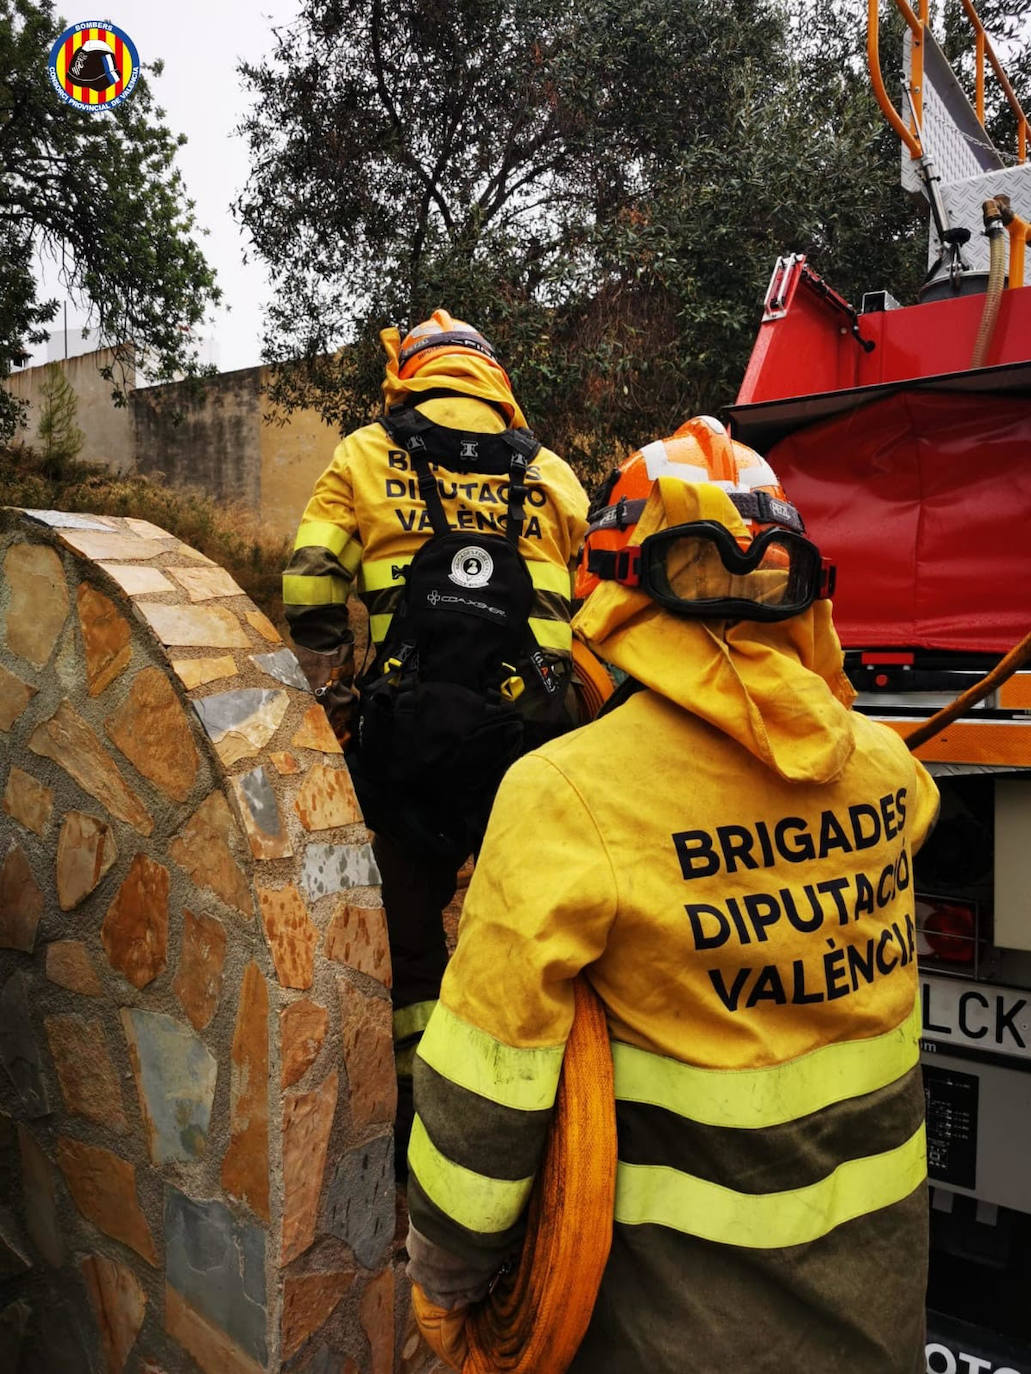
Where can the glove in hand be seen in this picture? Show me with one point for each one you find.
(442, 1329)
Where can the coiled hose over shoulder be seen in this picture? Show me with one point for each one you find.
(534, 1319)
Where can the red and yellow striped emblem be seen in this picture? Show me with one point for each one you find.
(118, 62)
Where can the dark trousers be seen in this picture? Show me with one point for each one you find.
(416, 889)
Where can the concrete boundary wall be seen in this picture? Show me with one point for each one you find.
(196, 1077)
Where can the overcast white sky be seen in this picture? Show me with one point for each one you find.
(201, 44)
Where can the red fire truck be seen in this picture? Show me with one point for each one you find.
(904, 433)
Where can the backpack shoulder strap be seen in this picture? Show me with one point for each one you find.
(407, 427)
(524, 448)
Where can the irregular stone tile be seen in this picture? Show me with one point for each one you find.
(39, 1199)
(302, 1029)
(245, 1168)
(366, 1032)
(335, 867)
(26, 800)
(68, 965)
(14, 1252)
(105, 638)
(376, 1310)
(198, 981)
(15, 695)
(290, 933)
(307, 1119)
(242, 722)
(195, 672)
(21, 902)
(175, 1079)
(202, 849)
(326, 799)
(39, 601)
(69, 741)
(87, 1077)
(139, 581)
(203, 584)
(360, 1200)
(309, 1300)
(284, 763)
(315, 732)
(211, 1348)
(283, 666)
(135, 929)
(102, 545)
(69, 520)
(321, 1360)
(259, 811)
(103, 1187)
(216, 1263)
(86, 850)
(200, 627)
(145, 529)
(19, 1050)
(153, 732)
(264, 627)
(119, 1304)
(357, 936)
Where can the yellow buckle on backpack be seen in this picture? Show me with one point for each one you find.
(513, 687)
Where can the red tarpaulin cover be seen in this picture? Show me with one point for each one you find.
(924, 503)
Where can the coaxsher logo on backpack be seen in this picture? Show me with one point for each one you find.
(471, 567)
(94, 65)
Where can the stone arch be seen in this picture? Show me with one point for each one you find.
(197, 1083)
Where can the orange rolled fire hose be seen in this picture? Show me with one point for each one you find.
(535, 1317)
(591, 679)
(533, 1320)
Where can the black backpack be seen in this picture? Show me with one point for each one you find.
(437, 724)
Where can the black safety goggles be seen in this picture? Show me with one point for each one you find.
(699, 569)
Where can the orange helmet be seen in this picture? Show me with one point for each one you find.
(442, 334)
(701, 450)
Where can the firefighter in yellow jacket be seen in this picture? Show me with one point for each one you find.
(728, 856)
(452, 463)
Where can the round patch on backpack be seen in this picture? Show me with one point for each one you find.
(471, 567)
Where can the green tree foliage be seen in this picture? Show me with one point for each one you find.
(602, 186)
(98, 192)
(61, 439)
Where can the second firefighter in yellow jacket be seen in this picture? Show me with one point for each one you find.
(450, 465)
(729, 857)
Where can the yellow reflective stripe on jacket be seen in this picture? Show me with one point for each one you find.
(378, 574)
(412, 1019)
(548, 577)
(462, 1053)
(752, 1098)
(658, 1195)
(378, 627)
(552, 634)
(323, 534)
(473, 1200)
(299, 590)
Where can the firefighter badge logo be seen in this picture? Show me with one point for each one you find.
(471, 567)
(94, 65)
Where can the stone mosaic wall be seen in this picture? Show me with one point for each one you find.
(196, 1083)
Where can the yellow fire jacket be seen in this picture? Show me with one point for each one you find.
(729, 857)
(365, 521)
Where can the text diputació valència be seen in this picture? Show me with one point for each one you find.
(829, 906)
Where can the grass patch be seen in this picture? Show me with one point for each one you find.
(230, 535)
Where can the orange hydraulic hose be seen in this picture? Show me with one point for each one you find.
(534, 1321)
(1005, 668)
